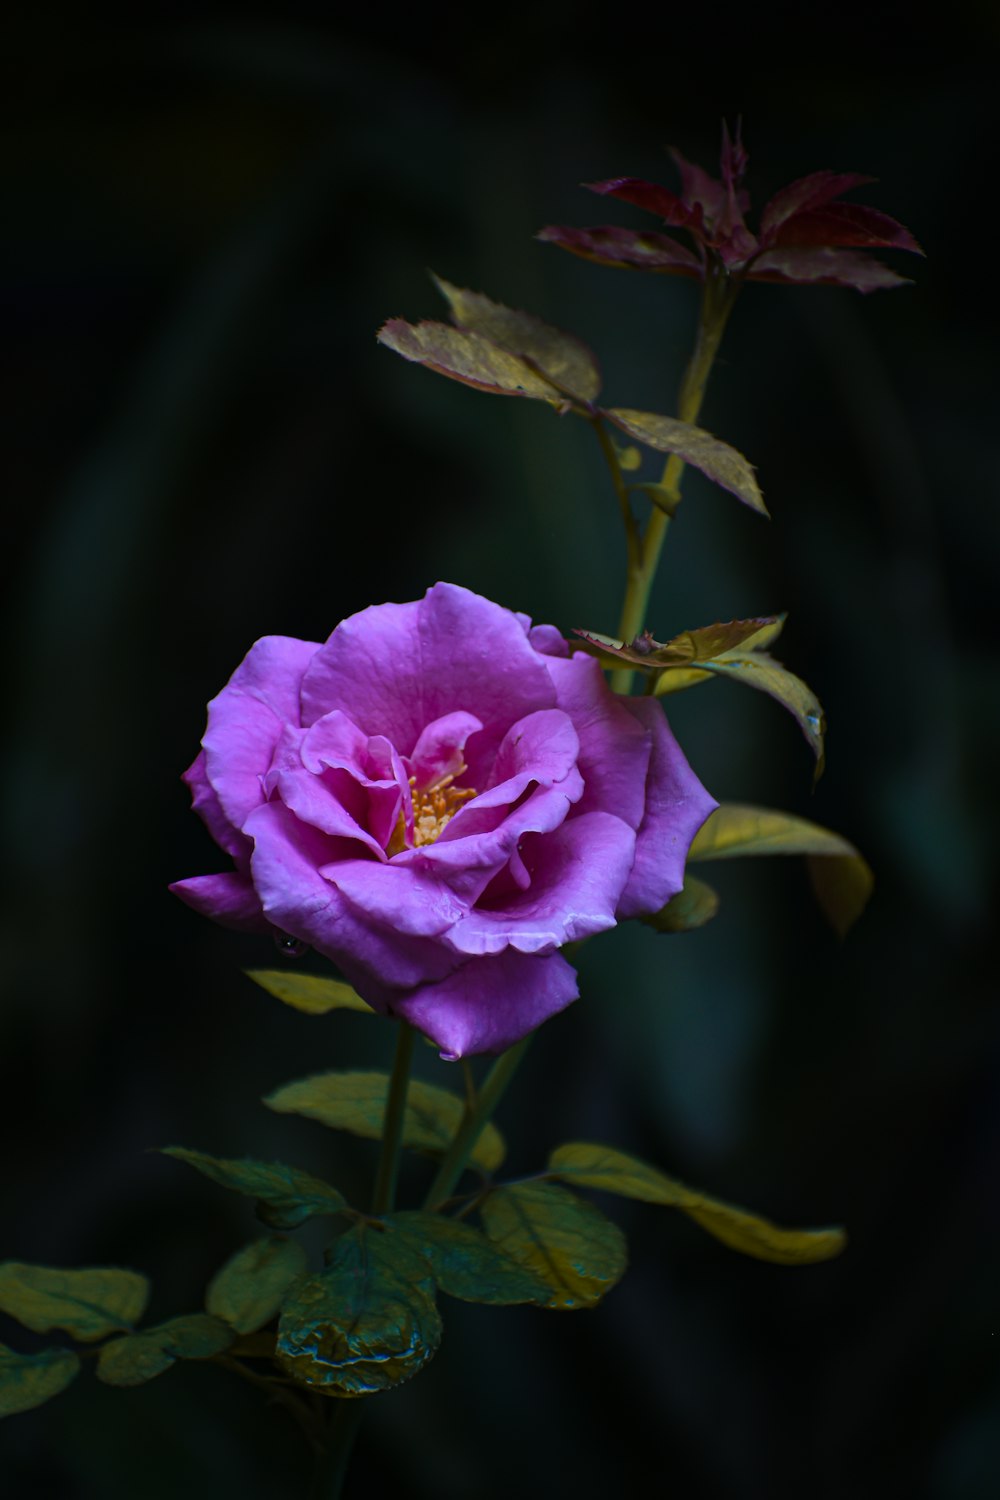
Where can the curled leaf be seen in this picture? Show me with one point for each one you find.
(714, 458)
(248, 1290)
(365, 1323)
(587, 1164)
(569, 1244)
(693, 906)
(701, 644)
(356, 1102)
(310, 993)
(28, 1380)
(562, 358)
(757, 669)
(87, 1304)
(286, 1196)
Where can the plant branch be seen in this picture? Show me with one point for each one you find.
(474, 1121)
(384, 1193)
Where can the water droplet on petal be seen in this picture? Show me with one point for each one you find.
(291, 947)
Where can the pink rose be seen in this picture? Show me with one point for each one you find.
(438, 799)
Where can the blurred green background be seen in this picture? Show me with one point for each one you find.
(208, 216)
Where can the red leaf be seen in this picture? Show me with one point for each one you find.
(627, 248)
(806, 193)
(650, 196)
(844, 224)
(821, 265)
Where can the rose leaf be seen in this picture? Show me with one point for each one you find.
(576, 1251)
(310, 993)
(693, 906)
(716, 459)
(286, 1196)
(756, 669)
(590, 1165)
(466, 1264)
(560, 357)
(701, 644)
(248, 1290)
(140, 1357)
(87, 1304)
(467, 357)
(841, 877)
(365, 1323)
(28, 1380)
(356, 1102)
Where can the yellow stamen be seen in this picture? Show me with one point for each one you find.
(434, 807)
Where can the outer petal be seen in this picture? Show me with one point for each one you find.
(490, 1003)
(229, 899)
(295, 897)
(246, 719)
(578, 873)
(614, 748)
(676, 806)
(205, 802)
(397, 667)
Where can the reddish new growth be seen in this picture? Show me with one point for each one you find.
(805, 235)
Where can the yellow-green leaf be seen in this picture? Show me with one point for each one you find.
(27, 1380)
(716, 460)
(467, 357)
(680, 677)
(693, 906)
(465, 1263)
(140, 1357)
(365, 1323)
(87, 1304)
(310, 993)
(356, 1102)
(569, 1244)
(286, 1196)
(562, 358)
(758, 670)
(841, 877)
(590, 1165)
(702, 644)
(248, 1290)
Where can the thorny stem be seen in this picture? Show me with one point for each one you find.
(473, 1123)
(718, 296)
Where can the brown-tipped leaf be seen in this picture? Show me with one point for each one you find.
(561, 357)
(468, 357)
(587, 1164)
(714, 458)
(575, 1250)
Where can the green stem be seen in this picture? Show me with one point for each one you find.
(336, 1460)
(633, 541)
(718, 297)
(473, 1123)
(384, 1194)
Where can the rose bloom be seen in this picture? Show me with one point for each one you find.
(439, 799)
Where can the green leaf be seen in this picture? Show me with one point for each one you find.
(356, 1102)
(246, 1293)
(87, 1304)
(841, 877)
(568, 1243)
(286, 1196)
(589, 1165)
(693, 906)
(308, 992)
(758, 670)
(467, 357)
(564, 360)
(27, 1380)
(365, 1323)
(142, 1356)
(465, 1263)
(703, 644)
(716, 460)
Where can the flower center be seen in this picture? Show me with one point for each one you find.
(434, 807)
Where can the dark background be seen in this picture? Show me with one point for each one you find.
(206, 221)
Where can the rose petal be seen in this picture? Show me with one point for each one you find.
(676, 806)
(399, 898)
(245, 721)
(205, 802)
(438, 751)
(614, 749)
(229, 899)
(397, 667)
(490, 1003)
(285, 867)
(577, 875)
